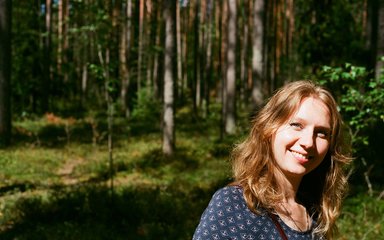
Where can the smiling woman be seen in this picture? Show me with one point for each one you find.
(289, 177)
(301, 144)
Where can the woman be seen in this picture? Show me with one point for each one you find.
(288, 173)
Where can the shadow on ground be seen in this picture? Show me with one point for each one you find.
(94, 212)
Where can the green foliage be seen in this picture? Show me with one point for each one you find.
(360, 98)
(362, 218)
(361, 103)
(329, 32)
(147, 112)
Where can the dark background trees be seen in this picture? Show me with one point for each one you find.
(82, 48)
(5, 72)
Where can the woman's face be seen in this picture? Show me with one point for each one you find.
(300, 144)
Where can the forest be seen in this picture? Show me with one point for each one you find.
(118, 118)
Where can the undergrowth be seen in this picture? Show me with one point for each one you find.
(56, 182)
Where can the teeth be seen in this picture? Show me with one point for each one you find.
(299, 155)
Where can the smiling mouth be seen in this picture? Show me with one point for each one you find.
(302, 158)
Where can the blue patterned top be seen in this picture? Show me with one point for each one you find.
(228, 217)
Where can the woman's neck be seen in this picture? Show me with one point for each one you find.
(289, 185)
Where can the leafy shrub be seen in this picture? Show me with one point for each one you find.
(362, 218)
(361, 103)
(360, 98)
(147, 112)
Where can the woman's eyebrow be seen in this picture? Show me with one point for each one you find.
(302, 120)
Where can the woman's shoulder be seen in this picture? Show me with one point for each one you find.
(228, 217)
(229, 200)
(230, 192)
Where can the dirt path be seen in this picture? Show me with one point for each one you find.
(66, 172)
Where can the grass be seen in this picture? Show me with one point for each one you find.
(56, 182)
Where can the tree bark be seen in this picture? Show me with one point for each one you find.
(222, 64)
(257, 53)
(230, 117)
(47, 55)
(5, 72)
(140, 41)
(244, 57)
(179, 53)
(60, 23)
(168, 117)
(208, 58)
(125, 45)
(156, 57)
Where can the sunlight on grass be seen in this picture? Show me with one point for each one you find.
(29, 164)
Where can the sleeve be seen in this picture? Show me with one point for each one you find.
(218, 219)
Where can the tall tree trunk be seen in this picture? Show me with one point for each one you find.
(208, 58)
(5, 72)
(62, 44)
(223, 65)
(147, 44)
(60, 36)
(125, 45)
(184, 46)
(244, 56)
(140, 41)
(196, 61)
(179, 53)
(47, 54)
(66, 38)
(168, 118)
(257, 53)
(156, 65)
(230, 117)
(200, 51)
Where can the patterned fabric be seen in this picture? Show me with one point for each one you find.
(228, 217)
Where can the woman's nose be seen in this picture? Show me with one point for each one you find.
(306, 139)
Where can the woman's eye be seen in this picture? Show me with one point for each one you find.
(296, 125)
(322, 134)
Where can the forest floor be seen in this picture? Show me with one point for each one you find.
(58, 182)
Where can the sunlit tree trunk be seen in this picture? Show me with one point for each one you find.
(230, 117)
(5, 72)
(257, 53)
(140, 42)
(168, 118)
(201, 52)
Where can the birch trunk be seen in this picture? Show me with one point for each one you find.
(168, 118)
(230, 117)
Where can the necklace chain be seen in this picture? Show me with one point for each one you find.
(294, 221)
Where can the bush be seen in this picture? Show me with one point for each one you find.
(361, 103)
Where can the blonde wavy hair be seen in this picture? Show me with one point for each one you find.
(323, 189)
